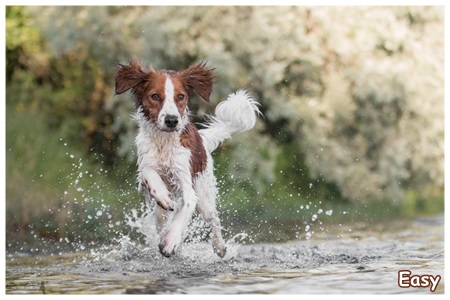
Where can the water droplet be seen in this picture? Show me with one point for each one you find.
(314, 217)
(329, 212)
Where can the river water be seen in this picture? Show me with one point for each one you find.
(344, 259)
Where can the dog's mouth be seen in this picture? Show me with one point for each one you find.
(168, 129)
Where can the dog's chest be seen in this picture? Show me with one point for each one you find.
(163, 151)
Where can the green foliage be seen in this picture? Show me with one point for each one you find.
(352, 98)
(23, 41)
(51, 190)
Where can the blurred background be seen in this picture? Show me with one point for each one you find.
(352, 97)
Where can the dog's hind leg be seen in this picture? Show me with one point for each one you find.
(161, 219)
(161, 215)
(206, 207)
(206, 189)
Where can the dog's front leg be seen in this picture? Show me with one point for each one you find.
(172, 240)
(151, 180)
(174, 236)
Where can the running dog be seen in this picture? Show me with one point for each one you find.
(174, 157)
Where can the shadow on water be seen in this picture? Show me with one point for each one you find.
(345, 259)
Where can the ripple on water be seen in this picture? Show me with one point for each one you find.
(367, 264)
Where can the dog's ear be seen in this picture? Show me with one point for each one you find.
(129, 76)
(200, 79)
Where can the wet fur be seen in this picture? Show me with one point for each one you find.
(174, 161)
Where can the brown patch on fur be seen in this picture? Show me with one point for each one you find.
(154, 86)
(200, 79)
(191, 139)
(129, 76)
(134, 77)
(180, 89)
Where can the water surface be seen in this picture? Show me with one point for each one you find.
(341, 259)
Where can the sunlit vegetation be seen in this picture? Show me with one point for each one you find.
(352, 101)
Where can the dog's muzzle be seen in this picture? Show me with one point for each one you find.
(171, 122)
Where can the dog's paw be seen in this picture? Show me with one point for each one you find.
(221, 251)
(162, 196)
(170, 243)
(219, 247)
(164, 251)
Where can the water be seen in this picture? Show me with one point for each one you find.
(343, 259)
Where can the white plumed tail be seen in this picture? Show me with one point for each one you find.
(234, 115)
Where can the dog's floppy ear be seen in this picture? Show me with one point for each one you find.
(129, 76)
(200, 79)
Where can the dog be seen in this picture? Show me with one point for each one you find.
(174, 157)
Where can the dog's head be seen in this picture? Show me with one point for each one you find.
(163, 95)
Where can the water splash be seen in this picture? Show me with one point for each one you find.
(195, 247)
(334, 266)
(95, 226)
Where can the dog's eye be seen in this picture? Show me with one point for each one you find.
(180, 97)
(156, 97)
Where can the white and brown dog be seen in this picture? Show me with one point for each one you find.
(174, 158)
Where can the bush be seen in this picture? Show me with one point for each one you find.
(352, 97)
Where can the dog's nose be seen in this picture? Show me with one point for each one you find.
(171, 121)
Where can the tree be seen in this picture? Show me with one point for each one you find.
(358, 91)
